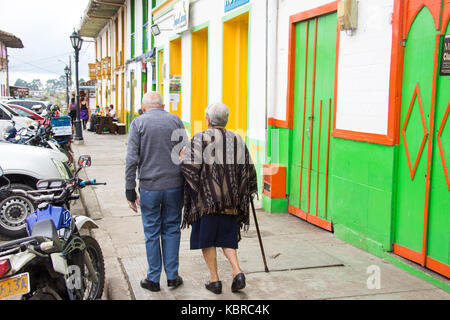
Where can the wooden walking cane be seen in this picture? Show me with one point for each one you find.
(259, 235)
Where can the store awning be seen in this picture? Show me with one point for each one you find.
(97, 15)
(10, 40)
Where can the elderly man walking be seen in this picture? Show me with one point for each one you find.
(161, 183)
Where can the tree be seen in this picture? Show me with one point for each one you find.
(21, 83)
(36, 84)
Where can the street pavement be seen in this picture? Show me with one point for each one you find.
(305, 262)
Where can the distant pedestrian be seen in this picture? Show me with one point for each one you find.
(160, 188)
(221, 179)
(84, 111)
(72, 111)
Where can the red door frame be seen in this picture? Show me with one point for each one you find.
(404, 14)
(293, 20)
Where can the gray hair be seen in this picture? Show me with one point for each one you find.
(217, 113)
(152, 99)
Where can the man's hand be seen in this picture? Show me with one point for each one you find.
(135, 205)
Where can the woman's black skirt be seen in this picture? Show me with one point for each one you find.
(215, 230)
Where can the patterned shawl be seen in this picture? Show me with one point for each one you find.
(220, 176)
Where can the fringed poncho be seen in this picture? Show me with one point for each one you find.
(220, 176)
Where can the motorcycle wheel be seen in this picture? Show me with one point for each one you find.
(14, 209)
(93, 290)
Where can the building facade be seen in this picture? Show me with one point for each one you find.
(7, 40)
(346, 125)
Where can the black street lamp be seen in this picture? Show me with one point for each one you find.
(67, 72)
(77, 42)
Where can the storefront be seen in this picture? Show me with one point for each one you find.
(362, 138)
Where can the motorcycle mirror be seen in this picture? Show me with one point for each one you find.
(1, 172)
(84, 161)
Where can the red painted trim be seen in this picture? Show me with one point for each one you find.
(318, 156)
(396, 75)
(414, 7)
(291, 77)
(319, 222)
(312, 114)
(313, 13)
(277, 123)
(304, 114)
(328, 153)
(416, 94)
(441, 149)
(297, 212)
(438, 267)
(445, 16)
(408, 253)
(430, 152)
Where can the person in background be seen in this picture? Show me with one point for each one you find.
(98, 111)
(221, 179)
(84, 112)
(160, 197)
(112, 112)
(72, 111)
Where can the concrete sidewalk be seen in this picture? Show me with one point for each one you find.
(305, 262)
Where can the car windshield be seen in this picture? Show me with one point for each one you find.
(21, 112)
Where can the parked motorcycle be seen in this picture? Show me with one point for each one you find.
(55, 262)
(43, 136)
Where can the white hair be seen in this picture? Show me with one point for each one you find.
(217, 113)
(152, 99)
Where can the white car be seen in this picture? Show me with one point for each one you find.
(7, 115)
(24, 165)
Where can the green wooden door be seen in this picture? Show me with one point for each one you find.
(315, 56)
(438, 240)
(422, 220)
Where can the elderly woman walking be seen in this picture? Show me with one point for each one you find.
(220, 181)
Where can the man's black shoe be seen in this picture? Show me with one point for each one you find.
(238, 283)
(175, 283)
(150, 285)
(215, 287)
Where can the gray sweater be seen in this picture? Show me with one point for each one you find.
(150, 148)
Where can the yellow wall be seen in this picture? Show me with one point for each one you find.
(175, 69)
(235, 67)
(160, 72)
(199, 80)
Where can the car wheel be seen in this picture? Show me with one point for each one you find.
(14, 209)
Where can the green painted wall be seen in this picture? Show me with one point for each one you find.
(361, 177)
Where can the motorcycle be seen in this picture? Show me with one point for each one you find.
(43, 136)
(55, 261)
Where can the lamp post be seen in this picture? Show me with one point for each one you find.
(67, 72)
(77, 42)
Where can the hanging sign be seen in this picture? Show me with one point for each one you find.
(181, 16)
(445, 61)
(232, 4)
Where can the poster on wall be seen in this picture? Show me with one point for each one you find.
(181, 16)
(445, 62)
(175, 84)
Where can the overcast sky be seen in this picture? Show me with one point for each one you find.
(44, 26)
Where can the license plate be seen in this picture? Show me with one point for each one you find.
(14, 286)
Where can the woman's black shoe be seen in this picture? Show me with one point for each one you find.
(150, 285)
(215, 287)
(238, 283)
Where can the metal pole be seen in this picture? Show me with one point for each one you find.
(266, 269)
(67, 87)
(78, 130)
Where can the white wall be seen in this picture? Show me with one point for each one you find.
(364, 70)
